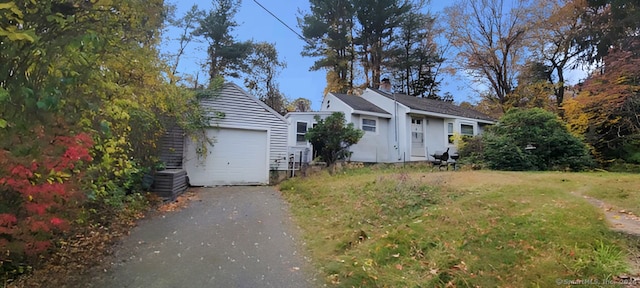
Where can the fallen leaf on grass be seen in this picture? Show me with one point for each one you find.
(462, 266)
(334, 279)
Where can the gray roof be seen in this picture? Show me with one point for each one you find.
(359, 103)
(435, 106)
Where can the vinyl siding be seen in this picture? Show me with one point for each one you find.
(294, 146)
(374, 146)
(244, 111)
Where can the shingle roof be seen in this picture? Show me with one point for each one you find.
(435, 106)
(359, 103)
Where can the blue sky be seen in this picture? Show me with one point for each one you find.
(295, 80)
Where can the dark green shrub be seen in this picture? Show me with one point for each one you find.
(332, 137)
(533, 139)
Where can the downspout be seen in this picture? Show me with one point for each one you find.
(395, 115)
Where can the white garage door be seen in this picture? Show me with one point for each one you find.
(238, 157)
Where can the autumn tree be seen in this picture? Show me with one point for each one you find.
(555, 26)
(605, 111)
(534, 87)
(299, 105)
(82, 92)
(490, 40)
(329, 28)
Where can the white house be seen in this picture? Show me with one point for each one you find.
(299, 123)
(250, 141)
(373, 120)
(422, 127)
(397, 127)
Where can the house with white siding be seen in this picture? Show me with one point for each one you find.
(250, 140)
(397, 127)
(422, 127)
(374, 145)
(299, 123)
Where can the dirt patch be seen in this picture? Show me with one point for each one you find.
(619, 219)
(622, 221)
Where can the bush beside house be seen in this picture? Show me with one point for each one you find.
(531, 139)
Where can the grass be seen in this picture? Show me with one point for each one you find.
(409, 227)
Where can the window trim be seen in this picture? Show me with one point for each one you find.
(305, 132)
(375, 125)
(473, 129)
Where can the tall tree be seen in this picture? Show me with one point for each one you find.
(187, 24)
(489, 37)
(377, 19)
(605, 111)
(416, 60)
(225, 54)
(607, 23)
(261, 80)
(329, 30)
(534, 87)
(555, 26)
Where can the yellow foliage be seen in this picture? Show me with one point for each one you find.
(577, 121)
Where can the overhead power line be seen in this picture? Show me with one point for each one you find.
(285, 24)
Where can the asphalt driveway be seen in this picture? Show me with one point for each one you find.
(231, 237)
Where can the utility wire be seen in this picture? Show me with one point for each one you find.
(285, 24)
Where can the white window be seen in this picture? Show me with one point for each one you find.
(450, 132)
(369, 125)
(301, 129)
(466, 130)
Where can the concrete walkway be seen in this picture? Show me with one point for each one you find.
(231, 237)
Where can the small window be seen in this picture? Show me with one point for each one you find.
(466, 130)
(369, 125)
(450, 132)
(301, 129)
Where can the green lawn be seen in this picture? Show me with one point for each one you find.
(410, 227)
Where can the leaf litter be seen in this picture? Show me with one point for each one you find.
(84, 254)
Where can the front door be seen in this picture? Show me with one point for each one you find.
(417, 137)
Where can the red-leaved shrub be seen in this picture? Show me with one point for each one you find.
(39, 192)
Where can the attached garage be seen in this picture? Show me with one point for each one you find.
(248, 142)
